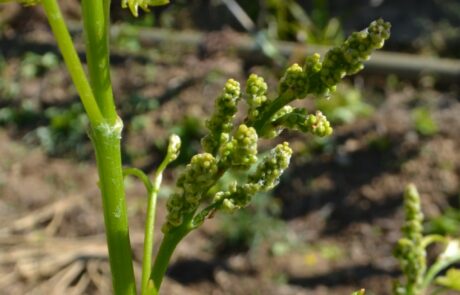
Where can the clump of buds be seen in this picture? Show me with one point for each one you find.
(228, 146)
(410, 250)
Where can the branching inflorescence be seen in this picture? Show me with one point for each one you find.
(229, 147)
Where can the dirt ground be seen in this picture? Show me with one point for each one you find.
(340, 201)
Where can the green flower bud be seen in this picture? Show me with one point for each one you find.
(175, 202)
(256, 96)
(256, 89)
(269, 171)
(313, 63)
(414, 217)
(297, 119)
(241, 152)
(173, 147)
(313, 67)
(134, 5)
(221, 120)
(199, 174)
(228, 205)
(318, 124)
(237, 196)
(294, 79)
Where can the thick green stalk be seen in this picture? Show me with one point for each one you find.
(96, 20)
(167, 247)
(106, 141)
(105, 135)
(72, 61)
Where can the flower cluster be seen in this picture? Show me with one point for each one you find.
(410, 250)
(269, 171)
(221, 122)
(134, 5)
(265, 178)
(229, 146)
(199, 175)
(319, 78)
(241, 151)
(294, 80)
(173, 147)
(237, 196)
(256, 96)
(298, 119)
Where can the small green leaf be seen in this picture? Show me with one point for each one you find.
(451, 280)
(424, 122)
(360, 292)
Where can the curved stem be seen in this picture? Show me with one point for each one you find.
(96, 20)
(72, 61)
(142, 176)
(430, 239)
(436, 268)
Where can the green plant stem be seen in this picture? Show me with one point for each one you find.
(141, 175)
(72, 61)
(96, 21)
(106, 141)
(430, 239)
(105, 135)
(275, 106)
(150, 226)
(167, 247)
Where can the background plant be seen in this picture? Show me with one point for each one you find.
(412, 254)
